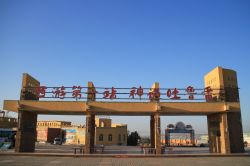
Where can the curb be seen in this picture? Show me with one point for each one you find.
(124, 155)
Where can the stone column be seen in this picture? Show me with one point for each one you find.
(213, 133)
(152, 131)
(235, 132)
(26, 132)
(90, 133)
(90, 121)
(26, 127)
(157, 130)
(225, 133)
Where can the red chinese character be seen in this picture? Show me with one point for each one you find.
(77, 92)
(140, 91)
(157, 93)
(59, 92)
(113, 93)
(208, 94)
(175, 92)
(41, 91)
(92, 93)
(132, 92)
(151, 95)
(106, 93)
(190, 90)
(169, 93)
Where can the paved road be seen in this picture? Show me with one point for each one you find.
(48, 148)
(178, 161)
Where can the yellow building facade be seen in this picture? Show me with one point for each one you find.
(106, 132)
(110, 134)
(53, 124)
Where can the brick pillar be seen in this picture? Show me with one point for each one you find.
(225, 133)
(235, 132)
(157, 130)
(213, 123)
(90, 121)
(26, 127)
(90, 133)
(26, 132)
(152, 131)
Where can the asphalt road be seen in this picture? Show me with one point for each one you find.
(62, 149)
(48, 148)
(97, 161)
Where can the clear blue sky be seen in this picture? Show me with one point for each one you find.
(124, 43)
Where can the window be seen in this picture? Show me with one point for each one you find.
(124, 137)
(101, 137)
(110, 137)
(119, 137)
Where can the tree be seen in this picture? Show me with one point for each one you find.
(133, 138)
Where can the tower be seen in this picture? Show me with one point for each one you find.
(224, 129)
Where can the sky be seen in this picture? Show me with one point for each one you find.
(124, 43)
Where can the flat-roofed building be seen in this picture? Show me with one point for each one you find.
(106, 132)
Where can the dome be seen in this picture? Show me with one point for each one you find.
(188, 127)
(180, 126)
(170, 126)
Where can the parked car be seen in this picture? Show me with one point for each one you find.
(57, 141)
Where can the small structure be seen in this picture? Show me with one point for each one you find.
(7, 122)
(106, 132)
(179, 128)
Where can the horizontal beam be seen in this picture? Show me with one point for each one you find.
(46, 107)
(120, 108)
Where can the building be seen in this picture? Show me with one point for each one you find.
(179, 135)
(47, 131)
(106, 132)
(7, 122)
(110, 134)
(53, 124)
(47, 134)
(7, 128)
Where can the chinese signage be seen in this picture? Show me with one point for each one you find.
(133, 93)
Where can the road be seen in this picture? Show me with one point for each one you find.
(97, 161)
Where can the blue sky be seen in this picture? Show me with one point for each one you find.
(123, 44)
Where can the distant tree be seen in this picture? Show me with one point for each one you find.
(133, 138)
(245, 143)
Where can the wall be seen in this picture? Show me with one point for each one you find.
(114, 131)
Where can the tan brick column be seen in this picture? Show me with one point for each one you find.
(157, 130)
(152, 131)
(213, 123)
(90, 133)
(26, 132)
(90, 122)
(26, 127)
(235, 133)
(225, 133)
